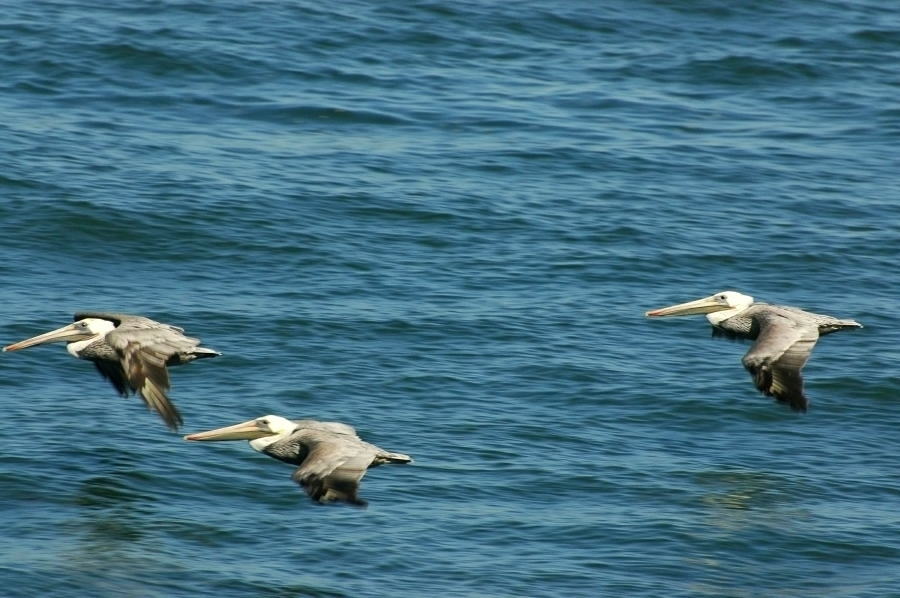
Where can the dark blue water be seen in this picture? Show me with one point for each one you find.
(441, 222)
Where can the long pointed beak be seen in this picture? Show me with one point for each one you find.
(243, 431)
(66, 333)
(706, 305)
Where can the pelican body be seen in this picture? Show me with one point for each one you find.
(132, 352)
(784, 338)
(330, 458)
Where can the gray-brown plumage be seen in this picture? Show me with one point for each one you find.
(330, 458)
(132, 352)
(784, 338)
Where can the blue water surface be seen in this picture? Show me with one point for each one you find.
(441, 223)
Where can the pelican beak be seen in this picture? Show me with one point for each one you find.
(706, 305)
(66, 333)
(244, 431)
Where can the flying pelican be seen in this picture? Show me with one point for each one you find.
(785, 336)
(132, 352)
(331, 458)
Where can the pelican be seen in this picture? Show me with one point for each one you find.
(132, 352)
(785, 336)
(331, 458)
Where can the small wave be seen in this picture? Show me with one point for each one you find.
(293, 114)
(749, 70)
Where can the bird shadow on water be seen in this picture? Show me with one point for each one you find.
(732, 495)
(741, 510)
(109, 514)
(108, 528)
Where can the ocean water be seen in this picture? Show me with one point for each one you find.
(441, 223)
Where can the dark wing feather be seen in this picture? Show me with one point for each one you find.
(333, 469)
(112, 371)
(779, 353)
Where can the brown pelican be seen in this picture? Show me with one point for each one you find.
(331, 458)
(132, 352)
(785, 336)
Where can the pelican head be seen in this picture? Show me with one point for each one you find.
(87, 329)
(261, 431)
(723, 301)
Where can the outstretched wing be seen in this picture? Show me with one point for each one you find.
(145, 347)
(333, 468)
(779, 353)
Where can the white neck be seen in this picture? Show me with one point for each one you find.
(716, 317)
(76, 347)
(259, 444)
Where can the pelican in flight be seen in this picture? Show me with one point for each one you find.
(330, 458)
(132, 352)
(784, 337)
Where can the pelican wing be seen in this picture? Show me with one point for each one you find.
(333, 468)
(331, 427)
(145, 347)
(112, 371)
(781, 350)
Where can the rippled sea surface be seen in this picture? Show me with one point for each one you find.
(441, 223)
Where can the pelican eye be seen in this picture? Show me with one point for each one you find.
(264, 422)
